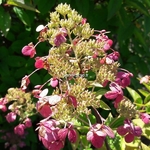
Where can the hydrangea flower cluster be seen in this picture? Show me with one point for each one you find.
(76, 51)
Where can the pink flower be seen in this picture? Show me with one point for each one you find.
(28, 122)
(11, 117)
(25, 82)
(2, 104)
(13, 147)
(29, 50)
(114, 56)
(54, 82)
(60, 37)
(129, 131)
(97, 134)
(123, 79)
(72, 135)
(115, 93)
(145, 117)
(39, 63)
(48, 134)
(145, 79)
(108, 44)
(19, 129)
(83, 21)
(45, 103)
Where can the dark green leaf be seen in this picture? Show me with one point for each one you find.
(35, 79)
(22, 15)
(22, 4)
(5, 21)
(139, 36)
(139, 6)
(15, 61)
(45, 6)
(125, 32)
(146, 25)
(116, 122)
(113, 7)
(83, 7)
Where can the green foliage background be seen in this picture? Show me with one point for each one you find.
(128, 22)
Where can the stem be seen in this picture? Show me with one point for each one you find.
(81, 120)
(33, 72)
(107, 145)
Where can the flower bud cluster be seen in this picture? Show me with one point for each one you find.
(127, 109)
(21, 102)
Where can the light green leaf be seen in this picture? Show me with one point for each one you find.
(100, 93)
(145, 147)
(104, 106)
(22, 4)
(0, 2)
(143, 92)
(113, 7)
(136, 97)
(147, 99)
(5, 21)
(22, 16)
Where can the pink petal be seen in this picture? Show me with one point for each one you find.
(129, 138)
(108, 131)
(62, 133)
(72, 135)
(97, 141)
(54, 82)
(45, 111)
(111, 94)
(73, 100)
(122, 131)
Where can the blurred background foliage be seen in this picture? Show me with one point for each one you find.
(128, 22)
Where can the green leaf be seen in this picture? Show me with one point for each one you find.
(83, 7)
(143, 92)
(1, 2)
(147, 86)
(125, 32)
(5, 21)
(147, 3)
(136, 97)
(15, 61)
(104, 106)
(145, 147)
(22, 4)
(45, 6)
(35, 79)
(113, 7)
(22, 16)
(100, 93)
(138, 5)
(116, 122)
(146, 25)
(147, 99)
(139, 36)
